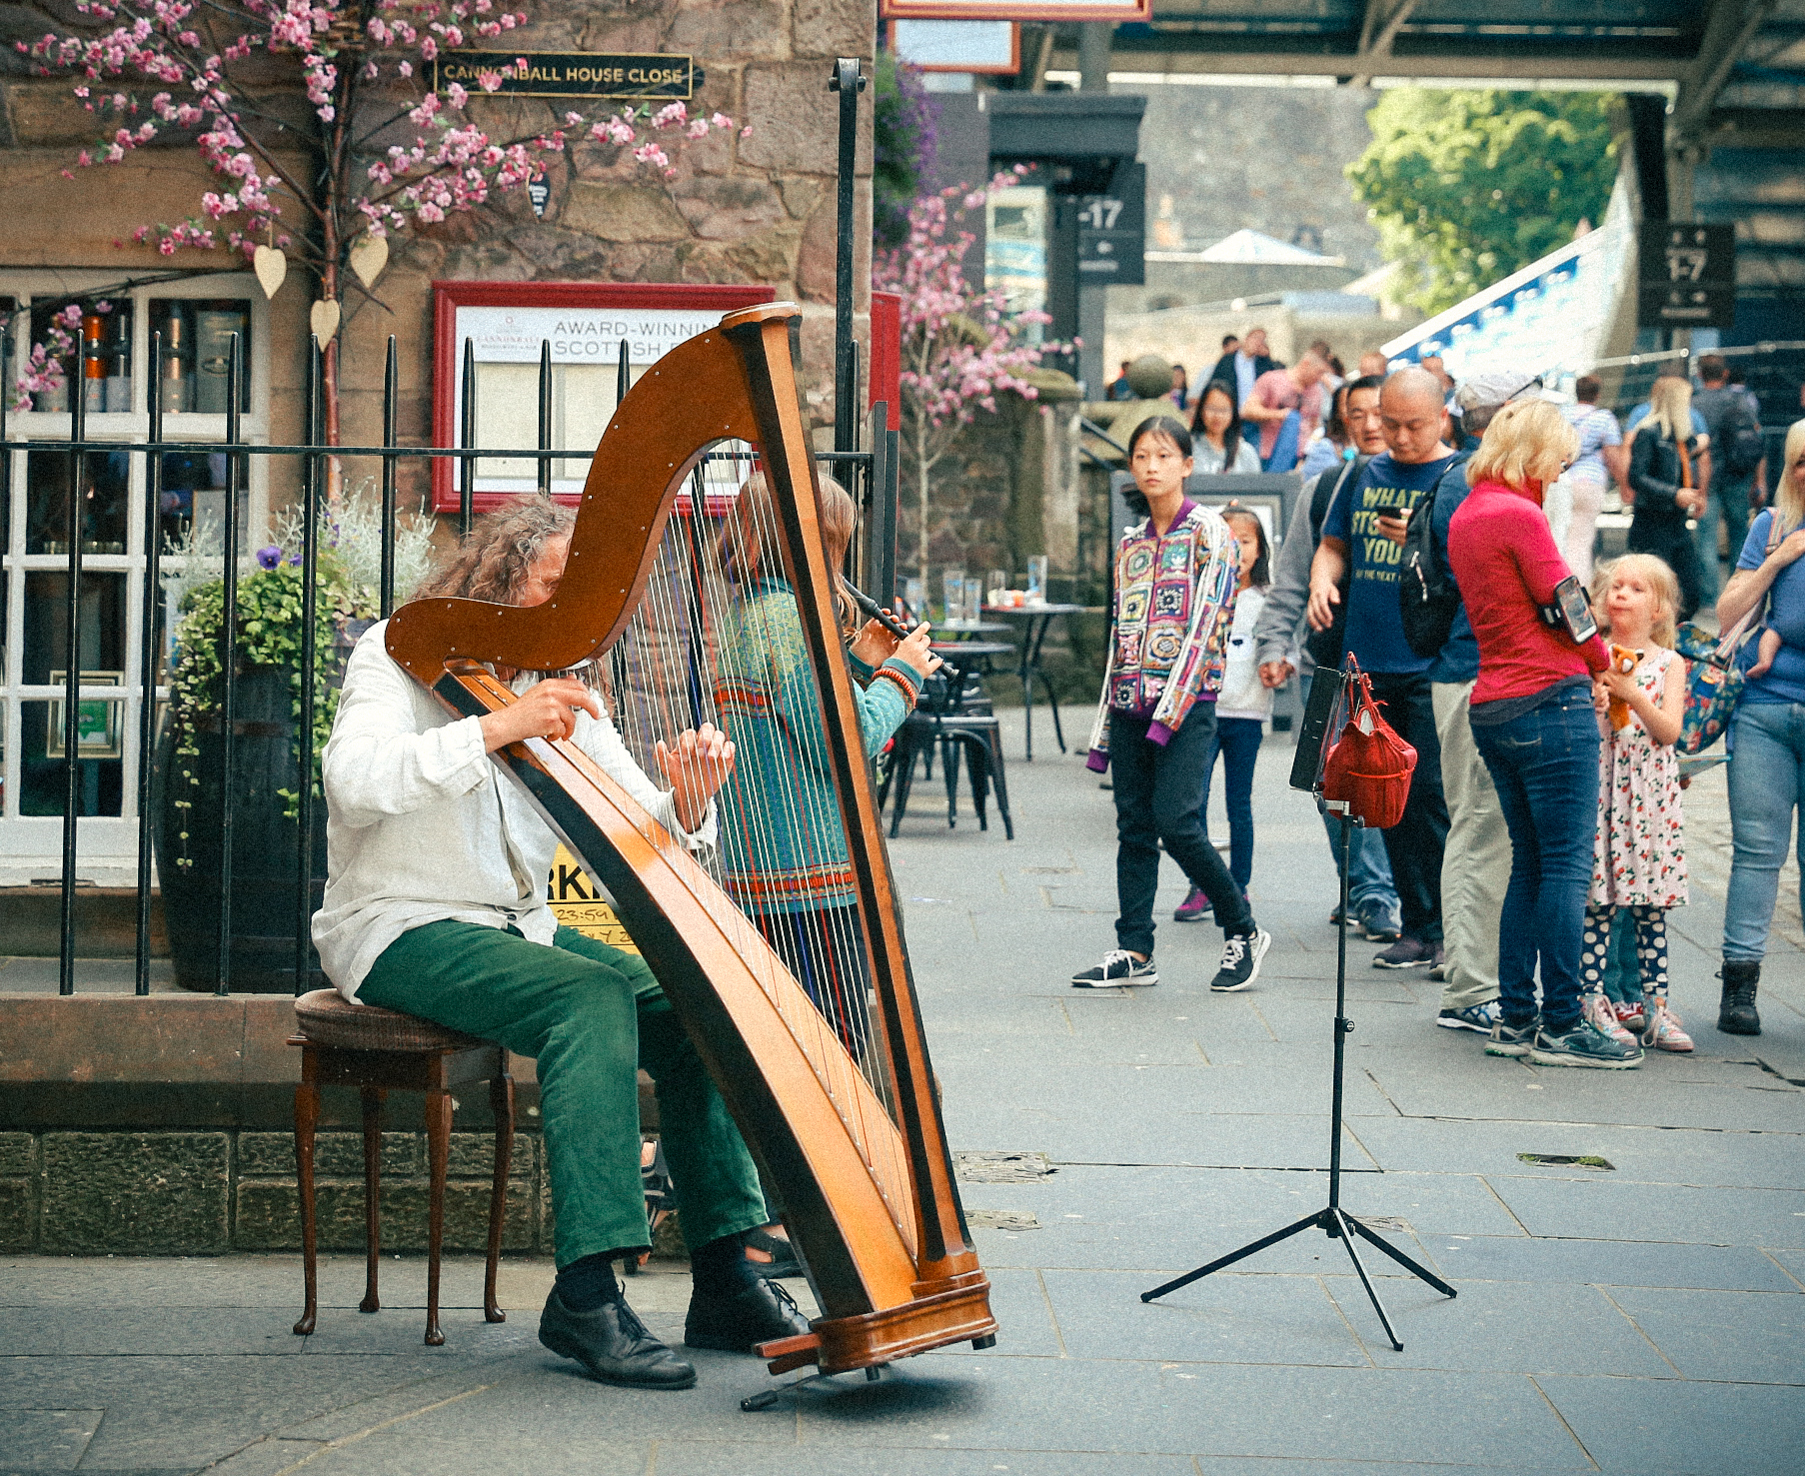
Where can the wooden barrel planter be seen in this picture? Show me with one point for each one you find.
(263, 844)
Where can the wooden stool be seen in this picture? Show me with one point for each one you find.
(379, 1051)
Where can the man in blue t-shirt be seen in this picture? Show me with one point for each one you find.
(1363, 543)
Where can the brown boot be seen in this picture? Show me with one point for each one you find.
(1737, 1014)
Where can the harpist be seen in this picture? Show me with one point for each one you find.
(435, 906)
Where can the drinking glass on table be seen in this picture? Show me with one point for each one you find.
(1037, 579)
(953, 588)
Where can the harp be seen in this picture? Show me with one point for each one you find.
(851, 1139)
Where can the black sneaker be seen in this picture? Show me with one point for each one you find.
(1585, 1045)
(1241, 955)
(1118, 970)
(1511, 1040)
(1406, 953)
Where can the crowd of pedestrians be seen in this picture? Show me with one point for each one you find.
(1545, 700)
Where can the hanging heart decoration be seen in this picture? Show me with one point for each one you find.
(368, 256)
(324, 320)
(271, 266)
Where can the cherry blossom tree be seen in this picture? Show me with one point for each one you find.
(320, 123)
(961, 347)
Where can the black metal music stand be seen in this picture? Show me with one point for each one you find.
(1334, 1221)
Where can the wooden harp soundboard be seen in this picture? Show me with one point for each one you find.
(857, 1149)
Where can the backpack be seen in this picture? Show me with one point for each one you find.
(1428, 597)
(1744, 444)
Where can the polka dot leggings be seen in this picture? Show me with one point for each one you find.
(1651, 947)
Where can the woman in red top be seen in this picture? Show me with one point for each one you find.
(1536, 729)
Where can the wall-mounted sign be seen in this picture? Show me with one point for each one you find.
(1686, 275)
(580, 905)
(1112, 231)
(584, 323)
(993, 47)
(569, 73)
(1046, 12)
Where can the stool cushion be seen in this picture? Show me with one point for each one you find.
(327, 1018)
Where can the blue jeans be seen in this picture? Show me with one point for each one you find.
(1238, 741)
(1767, 782)
(1545, 767)
(1369, 883)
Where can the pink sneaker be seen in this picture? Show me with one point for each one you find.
(1663, 1030)
(1597, 1009)
(1194, 908)
(1632, 1017)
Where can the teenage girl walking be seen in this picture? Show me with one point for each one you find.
(1242, 710)
(1639, 857)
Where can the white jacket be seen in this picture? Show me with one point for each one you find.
(422, 825)
(1243, 695)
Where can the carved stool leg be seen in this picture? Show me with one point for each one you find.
(438, 1152)
(501, 1099)
(307, 1118)
(372, 1105)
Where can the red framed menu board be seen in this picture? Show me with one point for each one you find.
(584, 322)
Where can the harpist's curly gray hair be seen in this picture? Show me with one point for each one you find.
(492, 560)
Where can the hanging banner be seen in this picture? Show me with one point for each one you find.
(1047, 12)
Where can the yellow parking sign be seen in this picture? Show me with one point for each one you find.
(578, 906)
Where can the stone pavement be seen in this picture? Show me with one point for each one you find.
(1643, 1317)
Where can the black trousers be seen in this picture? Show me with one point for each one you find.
(1678, 547)
(1415, 844)
(1158, 792)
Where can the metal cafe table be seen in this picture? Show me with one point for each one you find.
(1035, 620)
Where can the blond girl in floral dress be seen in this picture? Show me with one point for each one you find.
(1639, 858)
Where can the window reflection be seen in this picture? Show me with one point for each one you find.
(106, 481)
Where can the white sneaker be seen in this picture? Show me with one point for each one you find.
(1118, 970)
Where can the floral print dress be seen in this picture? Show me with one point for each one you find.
(1639, 856)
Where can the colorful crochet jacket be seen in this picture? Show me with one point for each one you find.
(1171, 621)
(782, 842)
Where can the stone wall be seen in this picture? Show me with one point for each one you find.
(759, 209)
(208, 1192)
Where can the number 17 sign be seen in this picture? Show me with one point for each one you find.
(1049, 12)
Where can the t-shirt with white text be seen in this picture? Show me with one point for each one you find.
(1375, 630)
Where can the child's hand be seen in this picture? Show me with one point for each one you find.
(1601, 699)
(1620, 684)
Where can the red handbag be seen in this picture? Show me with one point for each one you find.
(1369, 766)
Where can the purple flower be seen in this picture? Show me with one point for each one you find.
(268, 557)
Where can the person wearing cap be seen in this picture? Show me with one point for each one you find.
(1476, 864)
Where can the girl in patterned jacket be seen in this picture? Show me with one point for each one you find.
(1639, 858)
(1156, 721)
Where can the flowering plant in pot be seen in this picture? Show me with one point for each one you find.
(265, 783)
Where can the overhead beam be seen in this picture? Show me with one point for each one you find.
(1728, 31)
(1131, 56)
(1379, 27)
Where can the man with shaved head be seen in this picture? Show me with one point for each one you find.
(1362, 544)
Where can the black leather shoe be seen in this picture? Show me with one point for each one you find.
(761, 1313)
(613, 1344)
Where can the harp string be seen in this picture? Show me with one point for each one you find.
(667, 673)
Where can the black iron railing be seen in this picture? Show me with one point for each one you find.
(872, 483)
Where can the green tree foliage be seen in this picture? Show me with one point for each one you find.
(1467, 187)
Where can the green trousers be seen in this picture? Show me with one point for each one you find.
(589, 1015)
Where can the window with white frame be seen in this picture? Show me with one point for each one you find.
(106, 359)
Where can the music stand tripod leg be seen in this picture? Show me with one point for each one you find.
(1332, 1220)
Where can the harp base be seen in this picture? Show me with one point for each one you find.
(959, 1314)
(755, 1402)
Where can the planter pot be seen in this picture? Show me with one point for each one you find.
(263, 845)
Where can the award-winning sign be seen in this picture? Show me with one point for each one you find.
(568, 73)
(1686, 275)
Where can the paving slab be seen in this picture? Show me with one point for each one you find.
(1604, 1211)
(1724, 1336)
(1636, 1426)
(1541, 1261)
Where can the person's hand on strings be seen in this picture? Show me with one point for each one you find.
(548, 709)
(696, 763)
